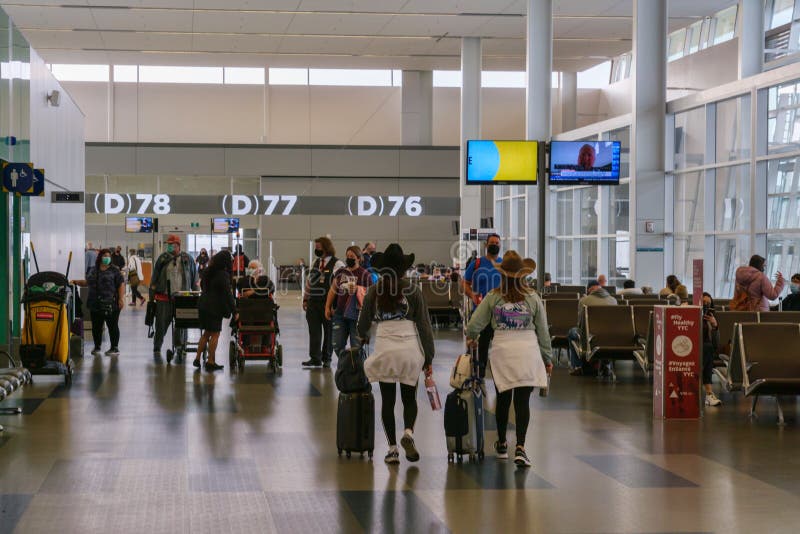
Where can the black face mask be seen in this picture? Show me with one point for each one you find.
(318, 252)
(494, 250)
(351, 262)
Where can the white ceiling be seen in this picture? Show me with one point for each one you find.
(410, 34)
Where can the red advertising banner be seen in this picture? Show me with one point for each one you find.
(697, 282)
(677, 362)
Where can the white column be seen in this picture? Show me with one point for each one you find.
(647, 189)
(538, 118)
(471, 63)
(569, 101)
(417, 108)
(751, 37)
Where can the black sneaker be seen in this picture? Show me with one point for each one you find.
(407, 442)
(312, 363)
(326, 364)
(210, 367)
(196, 363)
(501, 449)
(520, 458)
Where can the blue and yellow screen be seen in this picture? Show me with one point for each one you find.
(499, 162)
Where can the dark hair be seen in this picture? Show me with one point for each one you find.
(99, 258)
(220, 262)
(707, 294)
(488, 237)
(548, 277)
(757, 262)
(673, 282)
(327, 246)
(628, 284)
(795, 276)
(390, 294)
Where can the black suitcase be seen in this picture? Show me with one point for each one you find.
(75, 346)
(355, 423)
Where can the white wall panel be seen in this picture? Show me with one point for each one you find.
(57, 145)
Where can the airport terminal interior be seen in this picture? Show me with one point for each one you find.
(201, 324)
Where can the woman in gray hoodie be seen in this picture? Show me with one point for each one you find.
(754, 288)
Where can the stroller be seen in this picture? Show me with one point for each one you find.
(48, 303)
(254, 335)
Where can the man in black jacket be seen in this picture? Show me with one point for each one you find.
(792, 301)
(316, 292)
(117, 259)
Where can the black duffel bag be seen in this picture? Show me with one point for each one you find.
(350, 376)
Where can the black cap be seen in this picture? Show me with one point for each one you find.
(592, 283)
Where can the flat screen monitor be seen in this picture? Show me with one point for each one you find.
(584, 162)
(139, 225)
(502, 162)
(225, 225)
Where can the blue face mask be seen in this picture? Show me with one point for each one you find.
(794, 288)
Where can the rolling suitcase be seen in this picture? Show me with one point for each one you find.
(463, 418)
(355, 423)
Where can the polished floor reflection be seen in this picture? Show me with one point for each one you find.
(141, 446)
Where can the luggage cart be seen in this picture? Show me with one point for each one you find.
(185, 316)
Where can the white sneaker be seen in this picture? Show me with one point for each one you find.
(712, 400)
(407, 441)
(393, 456)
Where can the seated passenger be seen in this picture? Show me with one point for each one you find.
(792, 301)
(710, 347)
(629, 288)
(520, 351)
(675, 291)
(595, 296)
(255, 284)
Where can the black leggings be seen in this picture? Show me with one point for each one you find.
(408, 394)
(111, 321)
(708, 362)
(522, 409)
(135, 295)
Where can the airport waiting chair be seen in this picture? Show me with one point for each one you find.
(12, 377)
(722, 303)
(726, 321)
(640, 300)
(611, 336)
(437, 298)
(641, 319)
(767, 371)
(562, 296)
(779, 317)
(612, 290)
(572, 289)
(561, 315)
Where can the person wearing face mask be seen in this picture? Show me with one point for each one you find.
(753, 289)
(202, 261)
(481, 277)
(318, 283)
(174, 271)
(344, 300)
(255, 284)
(792, 301)
(710, 348)
(117, 259)
(106, 300)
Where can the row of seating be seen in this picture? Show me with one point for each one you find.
(12, 377)
(765, 361)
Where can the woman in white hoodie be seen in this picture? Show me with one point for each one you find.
(520, 355)
(403, 343)
(135, 277)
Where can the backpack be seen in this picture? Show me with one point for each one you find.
(350, 376)
(462, 371)
(742, 301)
(238, 264)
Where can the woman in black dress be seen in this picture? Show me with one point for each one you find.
(216, 302)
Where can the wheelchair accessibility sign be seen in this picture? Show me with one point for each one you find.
(22, 179)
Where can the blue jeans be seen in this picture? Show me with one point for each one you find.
(344, 329)
(575, 360)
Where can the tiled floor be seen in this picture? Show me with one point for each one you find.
(140, 446)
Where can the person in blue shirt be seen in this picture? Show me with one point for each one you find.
(481, 277)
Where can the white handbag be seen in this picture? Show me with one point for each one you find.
(462, 371)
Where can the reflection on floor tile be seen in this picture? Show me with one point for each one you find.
(230, 475)
(392, 511)
(82, 476)
(12, 506)
(634, 472)
(28, 405)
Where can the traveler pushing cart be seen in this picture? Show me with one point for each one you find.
(185, 315)
(174, 272)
